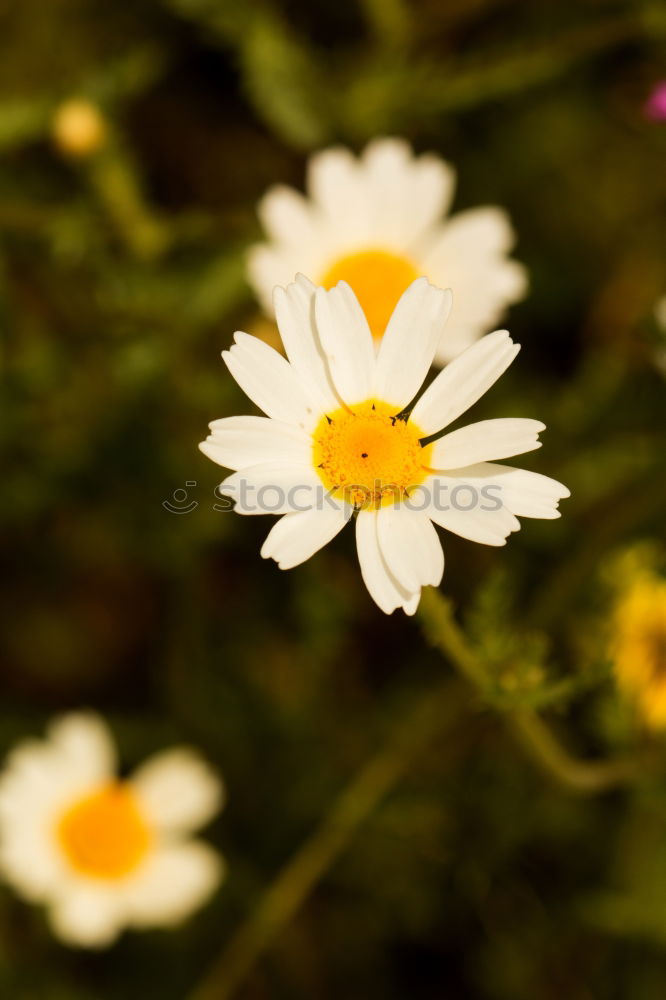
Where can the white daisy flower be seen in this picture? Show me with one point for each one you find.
(100, 852)
(336, 439)
(377, 222)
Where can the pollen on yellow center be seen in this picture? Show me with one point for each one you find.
(369, 457)
(638, 646)
(104, 834)
(378, 277)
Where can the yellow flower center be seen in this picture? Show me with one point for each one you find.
(369, 457)
(378, 278)
(104, 834)
(638, 647)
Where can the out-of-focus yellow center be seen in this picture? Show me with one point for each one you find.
(378, 278)
(369, 457)
(638, 646)
(104, 835)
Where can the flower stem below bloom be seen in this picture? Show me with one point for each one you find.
(529, 729)
(430, 716)
(433, 713)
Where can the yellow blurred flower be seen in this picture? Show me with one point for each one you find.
(638, 645)
(78, 127)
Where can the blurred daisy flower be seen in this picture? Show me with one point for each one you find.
(637, 645)
(377, 222)
(337, 439)
(104, 853)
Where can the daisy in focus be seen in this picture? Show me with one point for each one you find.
(377, 222)
(104, 853)
(638, 645)
(337, 439)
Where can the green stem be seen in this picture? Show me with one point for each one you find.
(389, 21)
(432, 713)
(586, 777)
(529, 729)
(494, 78)
(114, 179)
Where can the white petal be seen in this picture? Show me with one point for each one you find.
(484, 527)
(270, 265)
(382, 586)
(263, 266)
(478, 306)
(287, 216)
(408, 194)
(333, 181)
(175, 880)
(41, 779)
(460, 506)
(388, 197)
(178, 790)
(33, 774)
(87, 915)
(84, 741)
(526, 494)
(273, 488)
(294, 310)
(409, 343)
(298, 536)
(347, 342)
(464, 381)
(410, 606)
(486, 440)
(36, 787)
(240, 441)
(468, 255)
(410, 547)
(269, 381)
(29, 855)
(45, 773)
(478, 232)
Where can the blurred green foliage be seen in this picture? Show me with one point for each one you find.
(121, 279)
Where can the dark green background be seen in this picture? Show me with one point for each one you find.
(121, 279)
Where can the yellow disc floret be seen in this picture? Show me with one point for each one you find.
(378, 278)
(104, 834)
(369, 457)
(638, 646)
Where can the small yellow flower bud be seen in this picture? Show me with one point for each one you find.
(78, 127)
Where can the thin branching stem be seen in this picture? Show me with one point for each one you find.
(389, 21)
(432, 714)
(529, 729)
(414, 730)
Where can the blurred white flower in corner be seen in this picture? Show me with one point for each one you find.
(104, 853)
